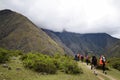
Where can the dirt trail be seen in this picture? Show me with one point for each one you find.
(100, 73)
(111, 78)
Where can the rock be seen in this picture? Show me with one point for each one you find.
(9, 68)
(5, 65)
(1, 73)
(18, 69)
(44, 73)
(14, 58)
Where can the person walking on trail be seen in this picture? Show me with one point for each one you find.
(94, 64)
(82, 58)
(87, 59)
(77, 57)
(103, 62)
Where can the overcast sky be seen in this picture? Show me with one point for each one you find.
(81, 16)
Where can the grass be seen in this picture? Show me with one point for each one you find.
(114, 73)
(26, 74)
(111, 74)
(88, 75)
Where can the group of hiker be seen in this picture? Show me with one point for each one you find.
(94, 62)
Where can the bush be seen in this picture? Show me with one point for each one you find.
(4, 55)
(115, 63)
(72, 68)
(47, 64)
(67, 64)
(39, 63)
(15, 52)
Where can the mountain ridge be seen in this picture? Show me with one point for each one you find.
(18, 32)
(95, 43)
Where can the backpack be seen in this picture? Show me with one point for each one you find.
(102, 60)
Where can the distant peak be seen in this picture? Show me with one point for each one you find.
(5, 11)
(64, 30)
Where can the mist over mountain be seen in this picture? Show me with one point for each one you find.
(18, 32)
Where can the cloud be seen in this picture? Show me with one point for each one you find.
(82, 16)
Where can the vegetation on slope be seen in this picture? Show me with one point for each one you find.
(115, 63)
(16, 69)
(43, 63)
(114, 50)
(18, 32)
(6, 54)
(47, 64)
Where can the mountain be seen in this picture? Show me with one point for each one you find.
(92, 43)
(58, 40)
(18, 32)
(114, 50)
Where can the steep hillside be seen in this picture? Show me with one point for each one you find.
(96, 43)
(17, 32)
(114, 50)
(58, 40)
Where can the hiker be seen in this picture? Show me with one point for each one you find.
(103, 62)
(94, 64)
(87, 59)
(77, 57)
(82, 58)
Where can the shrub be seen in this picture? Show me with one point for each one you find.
(67, 64)
(15, 52)
(71, 67)
(115, 63)
(4, 55)
(47, 64)
(39, 63)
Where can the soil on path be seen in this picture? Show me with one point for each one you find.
(100, 75)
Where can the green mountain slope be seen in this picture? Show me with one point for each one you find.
(18, 32)
(58, 40)
(114, 50)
